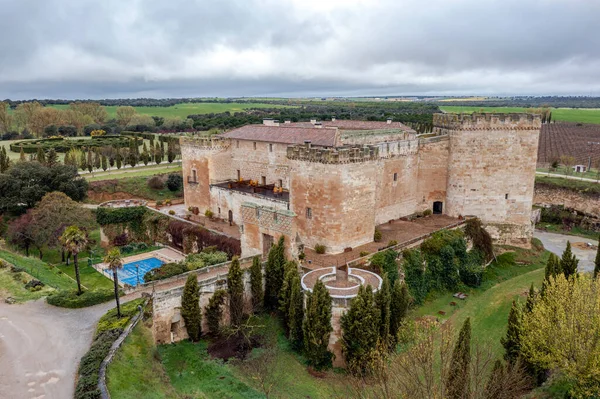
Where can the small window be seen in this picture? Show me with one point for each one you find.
(254, 144)
(219, 211)
(280, 183)
(263, 180)
(257, 212)
(194, 175)
(275, 217)
(239, 175)
(270, 147)
(308, 213)
(506, 196)
(395, 176)
(237, 143)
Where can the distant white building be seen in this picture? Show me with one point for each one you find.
(580, 168)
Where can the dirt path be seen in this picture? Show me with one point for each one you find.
(557, 243)
(40, 348)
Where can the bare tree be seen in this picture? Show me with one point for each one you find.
(568, 162)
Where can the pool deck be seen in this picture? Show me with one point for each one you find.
(165, 254)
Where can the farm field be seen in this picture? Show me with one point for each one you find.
(558, 139)
(580, 115)
(184, 109)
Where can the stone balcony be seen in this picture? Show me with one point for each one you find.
(266, 191)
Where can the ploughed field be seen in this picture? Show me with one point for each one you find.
(570, 139)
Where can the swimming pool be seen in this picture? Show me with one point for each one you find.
(129, 273)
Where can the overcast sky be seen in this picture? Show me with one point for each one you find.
(195, 48)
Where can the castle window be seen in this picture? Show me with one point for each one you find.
(275, 217)
(194, 177)
(270, 147)
(257, 213)
(219, 211)
(395, 176)
(239, 175)
(308, 213)
(280, 183)
(506, 196)
(237, 144)
(263, 180)
(254, 144)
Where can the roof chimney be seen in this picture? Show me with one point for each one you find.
(287, 121)
(389, 121)
(318, 125)
(313, 121)
(333, 118)
(307, 143)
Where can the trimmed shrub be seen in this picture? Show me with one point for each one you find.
(320, 249)
(364, 253)
(377, 236)
(427, 212)
(209, 214)
(171, 212)
(70, 299)
(165, 271)
(174, 182)
(392, 243)
(156, 183)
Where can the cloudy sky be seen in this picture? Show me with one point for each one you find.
(180, 48)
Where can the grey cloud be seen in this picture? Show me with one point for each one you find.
(117, 48)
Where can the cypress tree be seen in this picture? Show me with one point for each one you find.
(569, 262)
(145, 155)
(214, 311)
(291, 270)
(316, 327)
(22, 155)
(400, 299)
(597, 261)
(104, 163)
(162, 149)
(360, 331)
(157, 154)
(41, 157)
(256, 284)
(551, 265)
(190, 308)
(274, 274)
(119, 159)
(296, 313)
(457, 384)
(235, 289)
(51, 157)
(170, 153)
(512, 341)
(97, 159)
(89, 163)
(82, 160)
(530, 299)
(383, 300)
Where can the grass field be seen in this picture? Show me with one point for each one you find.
(185, 109)
(13, 286)
(505, 280)
(138, 171)
(135, 186)
(50, 276)
(558, 114)
(584, 187)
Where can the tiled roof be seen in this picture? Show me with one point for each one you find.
(284, 134)
(345, 124)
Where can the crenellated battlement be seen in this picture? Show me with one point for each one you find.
(487, 121)
(205, 142)
(331, 155)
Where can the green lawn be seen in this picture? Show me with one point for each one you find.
(560, 229)
(505, 280)
(136, 186)
(585, 187)
(138, 171)
(559, 114)
(13, 285)
(590, 174)
(184, 109)
(48, 275)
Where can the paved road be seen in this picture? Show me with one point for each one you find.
(557, 243)
(40, 348)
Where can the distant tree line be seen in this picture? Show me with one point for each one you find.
(528, 102)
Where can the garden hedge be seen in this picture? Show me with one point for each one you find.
(70, 299)
(60, 144)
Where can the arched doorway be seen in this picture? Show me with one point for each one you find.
(438, 207)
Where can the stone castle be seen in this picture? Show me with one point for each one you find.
(331, 183)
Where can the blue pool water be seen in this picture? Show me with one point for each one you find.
(129, 273)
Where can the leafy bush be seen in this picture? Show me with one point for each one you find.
(301, 256)
(364, 253)
(320, 249)
(121, 240)
(34, 285)
(171, 212)
(427, 212)
(156, 183)
(209, 214)
(174, 182)
(377, 236)
(70, 299)
(392, 243)
(203, 259)
(385, 263)
(165, 271)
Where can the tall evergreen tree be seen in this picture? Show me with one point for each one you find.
(82, 160)
(457, 384)
(171, 153)
(157, 154)
(296, 313)
(145, 156)
(51, 157)
(104, 163)
(597, 261)
(290, 271)
(400, 299)
(190, 308)
(551, 267)
(235, 289)
(383, 300)
(256, 284)
(360, 332)
(317, 326)
(22, 155)
(569, 262)
(97, 159)
(274, 274)
(512, 341)
(41, 156)
(119, 159)
(90, 161)
(4, 160)
(530, 299)
(214, 311)
(132, 154)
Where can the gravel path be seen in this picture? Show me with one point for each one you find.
(40, 348)
(557, 243)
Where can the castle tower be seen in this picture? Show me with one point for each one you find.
(491, 171)
(203, 164)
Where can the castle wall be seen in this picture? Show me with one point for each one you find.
(491, 171)
(432, 177)
(226, 200)
(396, 198)
(255, 163)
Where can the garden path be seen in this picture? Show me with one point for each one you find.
(556, 243)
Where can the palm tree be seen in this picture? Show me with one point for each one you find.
(114, 261)
(75, 240)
